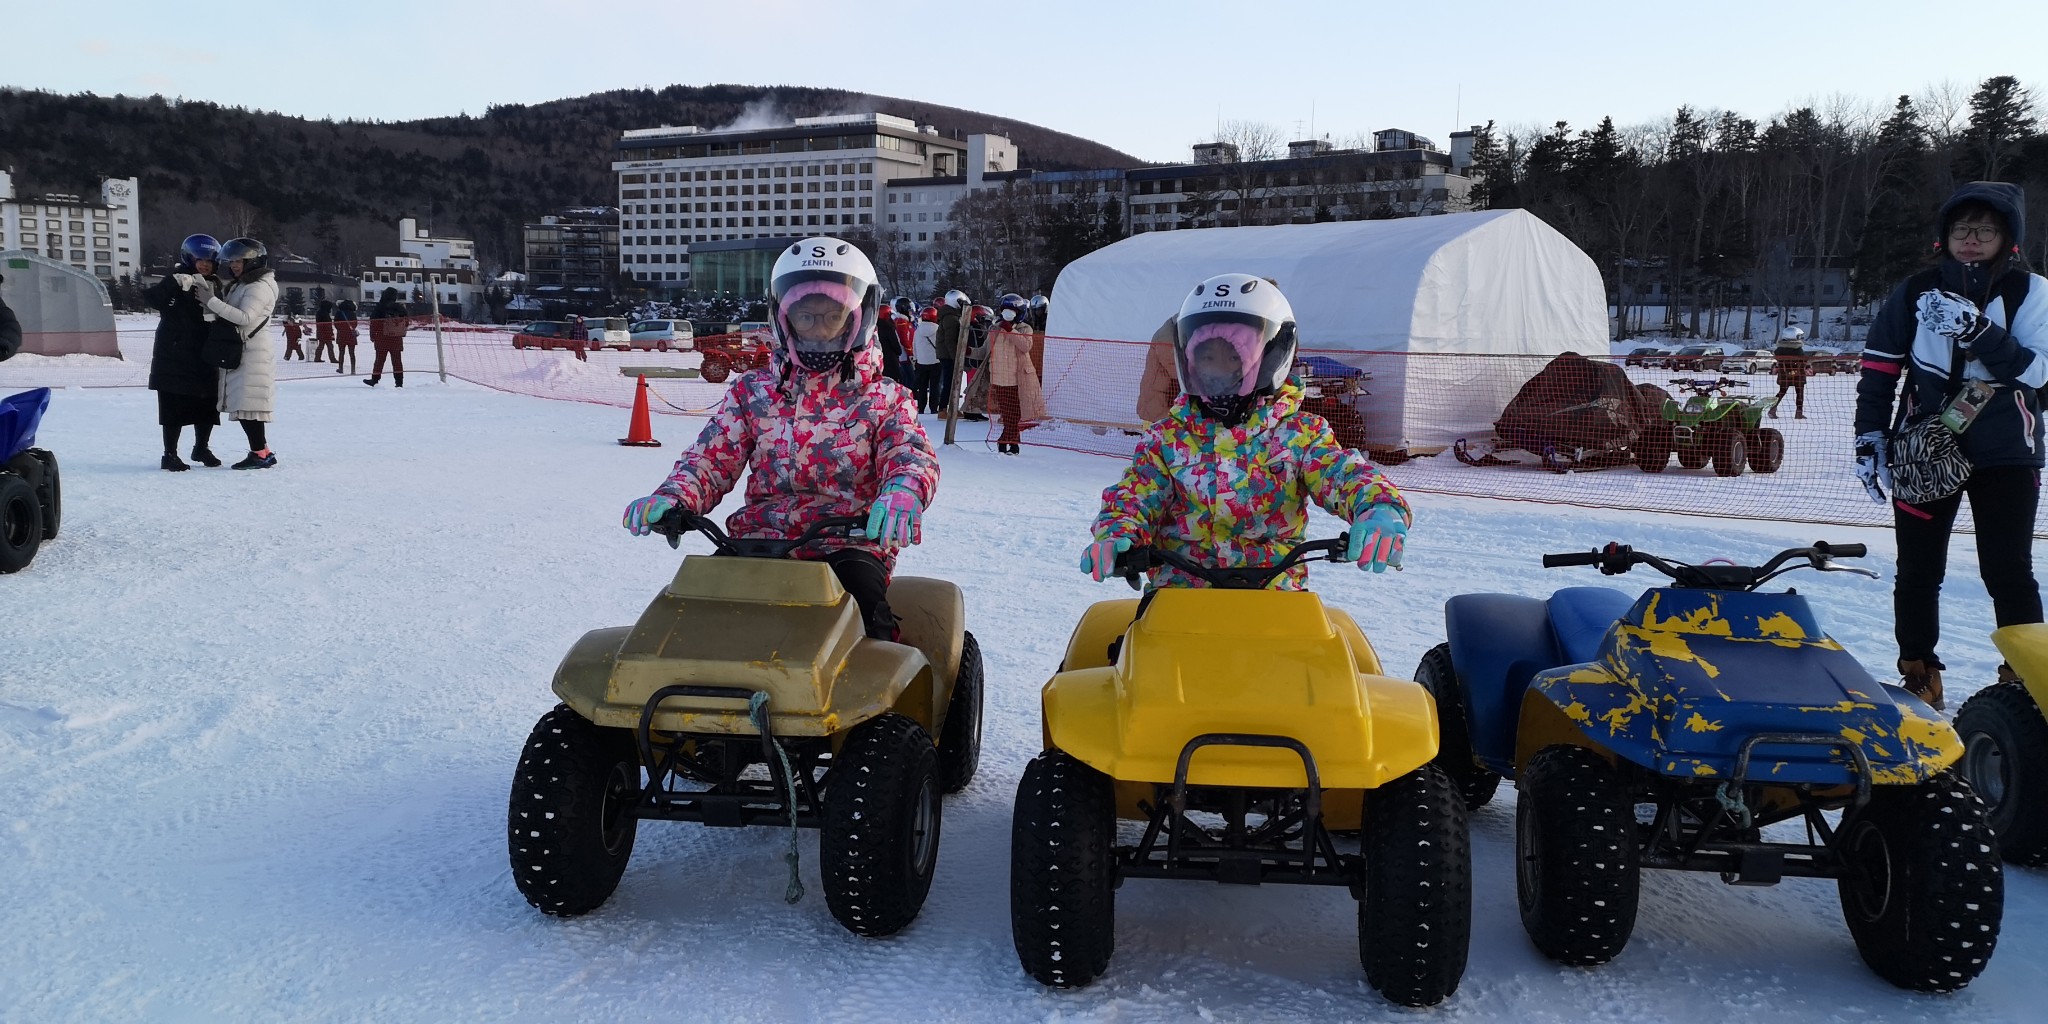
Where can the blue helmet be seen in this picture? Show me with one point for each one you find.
(1012, 307)
(195, 248)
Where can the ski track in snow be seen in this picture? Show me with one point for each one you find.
(258, 730)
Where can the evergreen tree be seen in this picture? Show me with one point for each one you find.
(1485, 169)
(1895, 228)
(2001, 118)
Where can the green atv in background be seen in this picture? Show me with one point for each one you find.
(1708, 425)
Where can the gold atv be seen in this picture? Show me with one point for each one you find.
(749, 694)
(1238, 727)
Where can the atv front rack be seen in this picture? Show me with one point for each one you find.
(731, 802)
(1291, 847)
(1728, 838)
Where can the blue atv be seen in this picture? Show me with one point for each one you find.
(1668, 730)
(31, 498)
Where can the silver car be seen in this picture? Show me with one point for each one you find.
(1750, 360)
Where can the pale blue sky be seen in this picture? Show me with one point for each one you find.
(1146, 78)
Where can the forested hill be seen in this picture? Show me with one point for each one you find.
(334, 190)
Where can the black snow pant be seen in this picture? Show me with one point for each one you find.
(928, 384)
(2002, 500)
(864, 576)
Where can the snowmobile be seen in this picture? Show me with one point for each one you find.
(749, 694)
(31, 493)
(1577, 414)
(1240, 727)
(1723, 711)
(1710, 426)
(2005, 745)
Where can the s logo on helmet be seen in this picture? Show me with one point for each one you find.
(817, 250)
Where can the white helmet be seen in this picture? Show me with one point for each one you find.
(958, 299)
(837, 272)
(1234, 341)
(1792, 332)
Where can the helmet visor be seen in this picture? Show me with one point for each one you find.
(818, 311)
(1220, 352)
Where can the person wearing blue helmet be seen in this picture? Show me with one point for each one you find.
(186, 385)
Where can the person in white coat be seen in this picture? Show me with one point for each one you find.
(248, 392)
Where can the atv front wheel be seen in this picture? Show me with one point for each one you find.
(1454, 735)
(879, 839)
(960, 737)
(714, 370)
(21, 523)
(1652, 449)
(1922, 888)
(1730, 452)
(1415, 922)
(1063, 871)
(1577, 865)
(571, 826)
(1766, 450)
(1694, 455)
(2005, 757)
(50, 492)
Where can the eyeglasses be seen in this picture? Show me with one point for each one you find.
(805, 321)
(1980, 232)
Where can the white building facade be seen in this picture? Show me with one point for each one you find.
(102, 238)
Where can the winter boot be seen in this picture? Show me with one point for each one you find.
(173, 463)
(205, 457)
(1774, 412)
(258, 460)
(397, 379)
(371, 380)
(1922, 678)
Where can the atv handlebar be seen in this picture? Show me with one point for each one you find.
(1615, 559)
(1703, 386)
(1134, 563)
(676, 522)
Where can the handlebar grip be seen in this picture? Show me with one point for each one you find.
(1571, 558)
(1842, 550)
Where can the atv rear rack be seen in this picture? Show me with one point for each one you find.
(731, 802)
(1291, 848)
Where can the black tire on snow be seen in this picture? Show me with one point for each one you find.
(1922, 887)
(960, 737)
(1730, 452)
(1652, 451)
(1415, 922)
(1063, 871)
(1577, 863)
(1454, 742)
(50, 493)
(1766, 450)
(21, 523)
(878, 842)
(2005, 757)
(570, 831)
(1694, 455)
(714, 370)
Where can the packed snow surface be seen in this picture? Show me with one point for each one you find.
(258, 730)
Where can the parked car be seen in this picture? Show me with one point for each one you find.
(1648, 357)
(1702, 358)
(609, 332)
(1750, 360)
(663, 335)
(549, 334)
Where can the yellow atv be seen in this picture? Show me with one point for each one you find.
(749, 694)
(1239, 726)
(2005, 745)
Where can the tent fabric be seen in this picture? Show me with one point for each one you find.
(1371, 293)
(63, 310)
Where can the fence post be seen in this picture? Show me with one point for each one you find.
(440, 355)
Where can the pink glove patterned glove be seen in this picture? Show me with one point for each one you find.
(1099, 558)
(895, 520)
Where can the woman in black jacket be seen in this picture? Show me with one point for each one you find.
(1980, 312)
(186, 386)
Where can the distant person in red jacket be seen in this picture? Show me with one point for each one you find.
(323, 332)
(293, 331)
(906, 339)
(345, 335)
(387, 337)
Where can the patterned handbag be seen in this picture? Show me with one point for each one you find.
(1927, 460)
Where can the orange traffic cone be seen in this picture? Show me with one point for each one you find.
(640, 434)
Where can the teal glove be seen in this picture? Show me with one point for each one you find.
(641, 514)
(1099, 558)
(1377, 539)
(895, 520)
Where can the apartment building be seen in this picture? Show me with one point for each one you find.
(102, 237)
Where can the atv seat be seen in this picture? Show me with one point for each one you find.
(19, 416)
(1579, 618)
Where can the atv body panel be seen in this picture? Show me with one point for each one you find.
(2025, 648)
(1500, 641)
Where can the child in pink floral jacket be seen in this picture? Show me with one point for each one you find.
(821, 431)
(1225, 477)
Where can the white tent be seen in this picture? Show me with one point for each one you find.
(1371, 293)
(63, 310)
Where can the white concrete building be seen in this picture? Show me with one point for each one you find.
(435, 252)
(102, 238)
(916, 211)
(455, 289)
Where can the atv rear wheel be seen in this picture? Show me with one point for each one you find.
(50, 492)
(1766, 450)
(1922, 888)
(960, 737)
(21, 523)
(571, 827)
(1694, 455)
(1454, 735)
(1415, 922)
(1577, 865)
(2005, 757)
(1063, 871)
(714, 369)
(879, 838)
(1730, 452)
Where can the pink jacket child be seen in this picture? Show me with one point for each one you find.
(820, 432)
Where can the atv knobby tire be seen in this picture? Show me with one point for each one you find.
(714, 369)
(1454, 742)
(878, 842)
(1415, 922)
(1652, 450)
(21, 523)
(2005, 757)
(1922, 887)
(571, 829)
(1063, 871)
(960, 737)
(50, 492)
(1730, 452)
(1766, 450)
(1694, 455)
(1577, 863)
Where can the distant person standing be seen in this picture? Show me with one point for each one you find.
(1013, 386)
(387, 337)
(906, 336)
(951, 342)
(1159, 384)
(1788, 361)
(248, 393)
(293, 331)
(891, 346)
(929, 372)
(187, 386)
(323, 332)
(345, 335)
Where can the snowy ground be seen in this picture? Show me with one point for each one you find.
(257, 731)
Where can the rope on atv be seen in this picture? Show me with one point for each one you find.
(757, 713)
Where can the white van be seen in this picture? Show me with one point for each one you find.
(609, 332)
